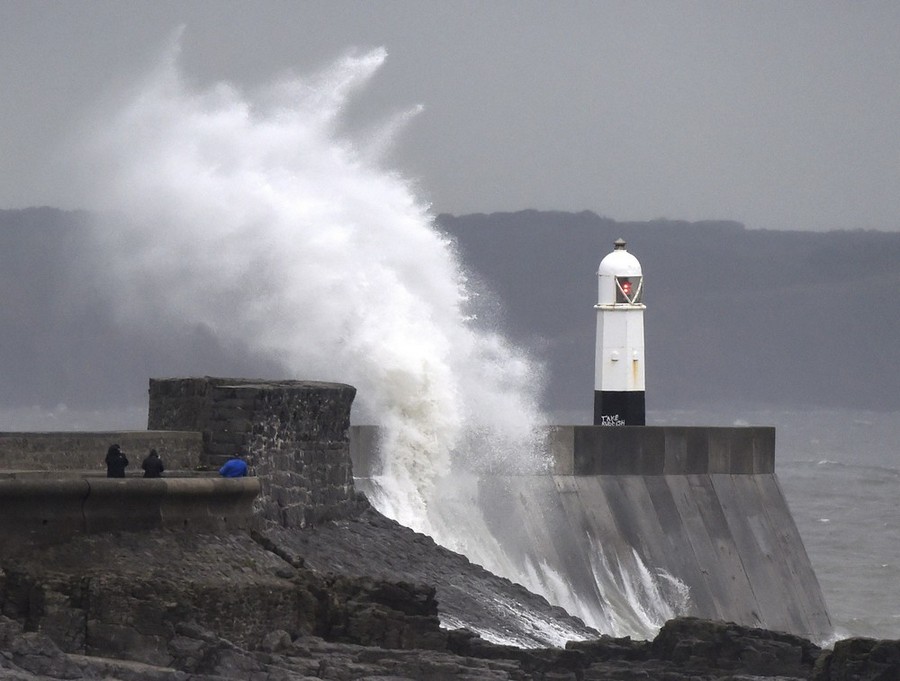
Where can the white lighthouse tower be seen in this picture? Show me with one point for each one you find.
(619, 363)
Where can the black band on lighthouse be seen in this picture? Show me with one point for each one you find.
(619, 408)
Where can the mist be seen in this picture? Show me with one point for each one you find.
(258, 218)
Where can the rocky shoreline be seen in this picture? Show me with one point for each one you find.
(358, 598)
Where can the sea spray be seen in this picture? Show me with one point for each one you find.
(258, 218)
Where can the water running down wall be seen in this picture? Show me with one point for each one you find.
(633, 526)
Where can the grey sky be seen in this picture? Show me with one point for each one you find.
(777, 114)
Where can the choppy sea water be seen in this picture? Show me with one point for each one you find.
(840, 473)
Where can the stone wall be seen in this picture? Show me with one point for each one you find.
(85, 451)
(293, 434)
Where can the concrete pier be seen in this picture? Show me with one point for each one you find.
(696, 506)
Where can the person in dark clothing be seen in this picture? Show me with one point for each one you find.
(116, 461)
(153, 465)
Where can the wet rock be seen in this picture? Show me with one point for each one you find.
(860, 659)
(33, 652)
(723, 646)
(276, 641)
(374, 546)
(347, 600)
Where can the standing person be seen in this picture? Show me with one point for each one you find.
(116, 461)
(234, 468)
(153, 465)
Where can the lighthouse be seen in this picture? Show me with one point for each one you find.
(619, 360)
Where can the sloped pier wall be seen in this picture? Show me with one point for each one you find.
(674, 507)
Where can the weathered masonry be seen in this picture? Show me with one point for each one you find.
(293, 434)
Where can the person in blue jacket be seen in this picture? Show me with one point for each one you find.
(234, 468)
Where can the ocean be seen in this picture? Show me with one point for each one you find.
(840, 473)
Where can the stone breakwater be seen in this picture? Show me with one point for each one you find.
(321, 586)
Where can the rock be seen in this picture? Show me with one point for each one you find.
(860, 659)
(372, 545)
(375, 612)
(610, 648)
(348, 600)
(704, 645)
(33, 652)
(276, 641)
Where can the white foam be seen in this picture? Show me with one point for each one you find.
(255, 216)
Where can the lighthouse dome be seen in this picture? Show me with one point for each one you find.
(620, 279)
(620, 263)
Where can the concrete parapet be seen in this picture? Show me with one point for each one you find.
(42, 507)
(122, 504)
(627, 450)
(228, 503)
(668, 450)
(48, 510)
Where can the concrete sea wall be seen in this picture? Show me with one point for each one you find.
(53, 486)
(652, 512)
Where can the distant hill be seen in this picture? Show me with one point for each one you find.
(755, 317)
(732, 314)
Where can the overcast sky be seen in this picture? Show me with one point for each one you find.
(782, 115)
